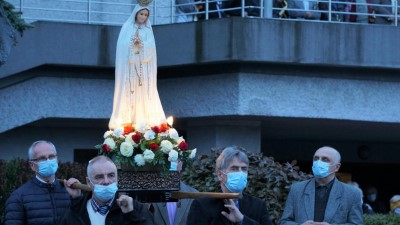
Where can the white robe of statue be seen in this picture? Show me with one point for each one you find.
(136, 98)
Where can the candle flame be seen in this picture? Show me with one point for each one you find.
(170, 121)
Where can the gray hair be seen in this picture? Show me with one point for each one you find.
(100, 158)
(395, 198)
(228, 154)
(32, 148)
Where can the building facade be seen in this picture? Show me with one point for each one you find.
(284, 88)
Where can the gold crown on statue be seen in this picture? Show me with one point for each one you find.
(144, 3)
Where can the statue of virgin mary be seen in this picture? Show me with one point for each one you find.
(136, 99)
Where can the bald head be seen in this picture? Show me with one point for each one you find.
(100, 167)
(328, 152)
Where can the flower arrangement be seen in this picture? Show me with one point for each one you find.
(136, 147)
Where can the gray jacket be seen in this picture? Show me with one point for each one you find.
(344, 204)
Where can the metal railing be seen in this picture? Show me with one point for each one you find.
(115, 12)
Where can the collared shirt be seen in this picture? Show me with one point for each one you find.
(41, 180)
(103, 210)
(321, 200)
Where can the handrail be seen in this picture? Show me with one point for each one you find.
(164, 12)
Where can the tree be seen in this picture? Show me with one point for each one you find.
(10, 23)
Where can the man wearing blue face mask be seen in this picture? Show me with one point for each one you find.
(43, 199)
(371, 198)
(231, 170)
(102, 206)
(323, 200)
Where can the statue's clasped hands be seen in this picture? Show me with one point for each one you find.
(137, 42)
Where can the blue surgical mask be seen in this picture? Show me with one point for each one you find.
(320, 169)
(371, 197)
(397, 211)
(105, 192)
(48, 168)
(236, 181)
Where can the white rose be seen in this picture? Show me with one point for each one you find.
(173, 134)
(141, 127)
(149, 135)
(110, 142)
(193, 154)
(173, 156)
(148, 155)
(166, 146)
(139, 160)
(126, 149)
(129, 139)
(107, 133)
(118, 132)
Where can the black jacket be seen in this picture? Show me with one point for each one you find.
(37, 203)
(78, 214)
(208, 211)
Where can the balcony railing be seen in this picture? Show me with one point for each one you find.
(115, 12)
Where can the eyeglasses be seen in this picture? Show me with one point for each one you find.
(44, 158)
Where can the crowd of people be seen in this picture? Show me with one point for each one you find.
(321, 200)
(352, 11)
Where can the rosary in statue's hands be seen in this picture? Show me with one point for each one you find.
(136, 40)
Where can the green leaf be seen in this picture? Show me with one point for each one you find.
(14, 17)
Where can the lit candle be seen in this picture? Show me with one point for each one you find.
(170, 121)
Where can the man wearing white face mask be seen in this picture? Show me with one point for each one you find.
(323, 200)
(102, 206)
(231, 169)
(42, 200)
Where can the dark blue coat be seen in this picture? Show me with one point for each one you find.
(37, 203)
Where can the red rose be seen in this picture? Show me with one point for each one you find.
(128, 129)
(105, 148)
(164, 127)
(153, 146)
(136, 138)
(183, 146)
(155, 129)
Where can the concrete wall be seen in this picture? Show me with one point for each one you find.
(230, 39)
(260, 71)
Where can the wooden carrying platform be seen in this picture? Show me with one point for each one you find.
(155, 186)
(149, 186)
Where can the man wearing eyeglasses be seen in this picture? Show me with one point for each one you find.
(42, 200)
